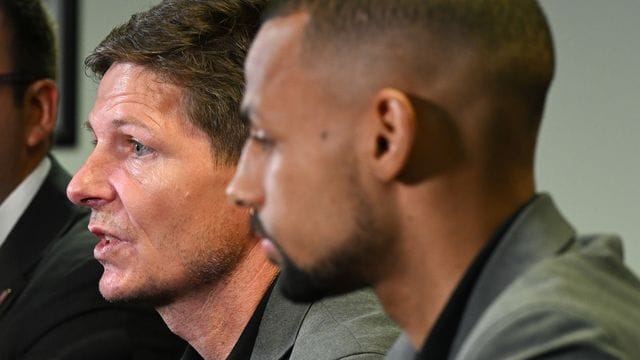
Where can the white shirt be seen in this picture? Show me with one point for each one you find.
(17, 202)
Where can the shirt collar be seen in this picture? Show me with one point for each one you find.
(245, 343)
(17, 202)
(438, 343)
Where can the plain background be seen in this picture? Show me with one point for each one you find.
(588, 148)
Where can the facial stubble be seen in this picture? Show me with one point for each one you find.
(204, 267)
(344, 270)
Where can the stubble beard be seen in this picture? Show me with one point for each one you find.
(203, 270)
(346, 269)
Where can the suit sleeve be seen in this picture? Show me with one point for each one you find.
(542, 333)
(107, 334)
(64, 316)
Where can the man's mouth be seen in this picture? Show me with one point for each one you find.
(268, 245)
(272, 251)
(107, 244)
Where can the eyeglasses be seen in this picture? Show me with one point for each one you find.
(13, 78)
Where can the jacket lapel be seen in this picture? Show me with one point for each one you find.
(48, 215)
(539, 231)
(279, 326)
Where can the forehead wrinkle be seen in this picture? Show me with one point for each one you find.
(160, 103)
(124, 99)
(136, 85)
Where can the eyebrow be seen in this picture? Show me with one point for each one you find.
(117, 123)
(245, 114)
(87, 126)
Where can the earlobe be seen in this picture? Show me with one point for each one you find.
(395, 132)
(40, 110)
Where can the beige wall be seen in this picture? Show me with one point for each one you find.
(97, 18)
(588, 154)
(589, 150)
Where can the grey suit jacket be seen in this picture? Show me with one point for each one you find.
(351, 326)
(547, 293)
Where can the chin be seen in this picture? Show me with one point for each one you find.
(117, 290)
(114, 288)
(299, 285)
(111, 290)
(111, 295)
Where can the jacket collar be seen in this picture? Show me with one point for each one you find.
(279, 328)
(48, 215)
(538, 232)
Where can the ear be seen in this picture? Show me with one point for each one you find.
(40, 111)
(395, 131)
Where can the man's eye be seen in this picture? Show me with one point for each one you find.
(140, 149)
(261, 138)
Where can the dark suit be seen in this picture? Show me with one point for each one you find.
(50, 307)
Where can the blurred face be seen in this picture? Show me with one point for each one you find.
(156, 194)
(299, 170)
(12, 128)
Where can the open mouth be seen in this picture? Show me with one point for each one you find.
(106, 246)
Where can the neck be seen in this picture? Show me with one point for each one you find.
(212, 320)
(439, 236)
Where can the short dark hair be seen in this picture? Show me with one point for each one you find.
(199, 46)
(513, 35)
(32, 46)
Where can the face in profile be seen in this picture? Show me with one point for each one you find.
(155, 192)
(300, 171)
(12, 125)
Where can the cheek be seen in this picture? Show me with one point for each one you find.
(285, 183)
(302, 182)
(156, 206)
(151, 174)
(306, 208)
(190, 205)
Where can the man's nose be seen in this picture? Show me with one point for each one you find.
(245, 188)
(90, 186)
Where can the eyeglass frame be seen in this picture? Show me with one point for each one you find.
(15, 78)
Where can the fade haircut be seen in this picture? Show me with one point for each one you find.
(32, 44)
(511, 37)
(199, 46)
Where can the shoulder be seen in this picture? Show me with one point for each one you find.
(62, 312)
(72, 247)
(68, 267)
(582, 302)
(348, 326)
